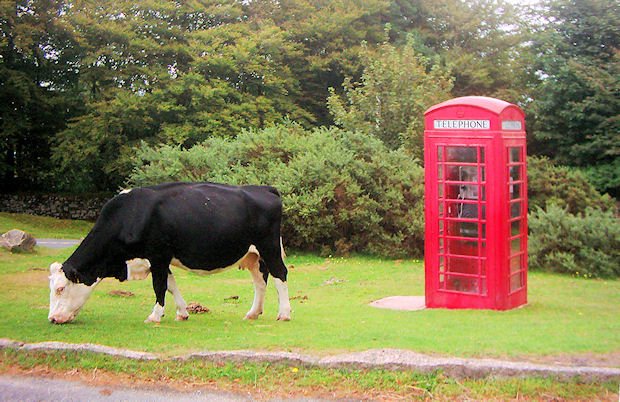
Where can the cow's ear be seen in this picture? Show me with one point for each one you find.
(55, 268)
(136, 215)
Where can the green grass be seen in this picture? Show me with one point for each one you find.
(44, 227)
(564, 316)
(279, 380)
(331, 314)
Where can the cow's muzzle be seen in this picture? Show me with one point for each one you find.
(57, 319)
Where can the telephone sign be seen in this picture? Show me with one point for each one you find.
(475, 204)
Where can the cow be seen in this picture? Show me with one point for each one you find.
(203, 227)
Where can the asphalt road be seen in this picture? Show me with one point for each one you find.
(18, 388)
(57, 243)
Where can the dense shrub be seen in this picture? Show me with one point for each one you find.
(562, 186)
(585, 244)
(342, 191)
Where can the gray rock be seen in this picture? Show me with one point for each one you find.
(17, 241)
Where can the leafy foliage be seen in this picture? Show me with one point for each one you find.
(576, 109)
(550, 184)
(342, 191)
(585, 244)
(396, 88)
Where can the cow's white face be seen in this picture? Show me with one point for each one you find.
(66, 297)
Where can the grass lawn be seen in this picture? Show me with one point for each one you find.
(44, 227)
(330, 312)
(565, 317)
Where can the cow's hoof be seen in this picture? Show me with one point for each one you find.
(181, 317)
(283, 317)
(252, 316)
(152, 320)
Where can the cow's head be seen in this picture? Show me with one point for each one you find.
(66, 297)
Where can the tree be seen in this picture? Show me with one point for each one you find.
(328, 35)
(479, 40)
(576, 104)
(396, 88)
(37, 89)
(171, 74)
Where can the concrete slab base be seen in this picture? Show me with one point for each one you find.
(406, 303)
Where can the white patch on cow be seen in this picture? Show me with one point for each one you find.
(182, 314)
(244, 262)
(156, 315)
(125, 191)
(284, 312)
(66, 298)
(260, 288)
(138, 269)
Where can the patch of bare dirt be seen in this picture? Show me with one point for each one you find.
(197, 308)
(121, 293)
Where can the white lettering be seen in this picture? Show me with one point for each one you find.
(511, 125)
(462, 124)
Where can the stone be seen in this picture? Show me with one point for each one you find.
(17, 241)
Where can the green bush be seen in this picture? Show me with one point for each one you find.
(342, 191)
(562, 186)
(585, 244)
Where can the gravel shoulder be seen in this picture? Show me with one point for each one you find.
(377, 358)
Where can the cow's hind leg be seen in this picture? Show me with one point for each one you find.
(260, 287)
(277, 269)
(182, 314)
(159, 272)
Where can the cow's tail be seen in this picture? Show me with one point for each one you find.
(282, 249)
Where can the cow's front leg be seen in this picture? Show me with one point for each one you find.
(260, 287)
(160, 285)
(182, 314)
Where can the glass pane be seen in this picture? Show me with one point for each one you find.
(441, 192)
(483, 267)
(515, 209)
(515, 264)
(462, 247)
(464, 210)
(516, 282)
(515, 245)
(515, 228)
(515, 173)
(462, 265)
(462, 284)
(440, 172)
(464, 229)
(462, 191)
(515, 191)
(481, 154)
(483, 173)
(442, 263)
(484, 286)
(514, 154)
(468, 173)
(441, 209)
(440, 153)
(461, 154)
(468, 229)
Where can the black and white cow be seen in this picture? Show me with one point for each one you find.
(204, 227)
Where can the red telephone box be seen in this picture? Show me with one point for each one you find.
(475, 204)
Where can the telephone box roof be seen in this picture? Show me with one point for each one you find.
(492, 105)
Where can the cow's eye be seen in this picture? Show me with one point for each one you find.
(60, 290)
